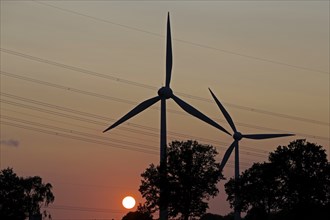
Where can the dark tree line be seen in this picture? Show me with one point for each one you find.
(192, 177)
(23, 197)
(293, 184)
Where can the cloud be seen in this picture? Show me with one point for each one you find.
(9, 143)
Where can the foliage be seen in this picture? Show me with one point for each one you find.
(137, 216)
(303, 171)
(210, 216)
(11, 194)
(21, 197)
(142, 208)
(192, 177)
(257, 188)
(294, 184)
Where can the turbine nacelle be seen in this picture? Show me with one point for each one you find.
(165, 92)
(237, 136)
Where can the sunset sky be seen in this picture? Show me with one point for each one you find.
(69, 69)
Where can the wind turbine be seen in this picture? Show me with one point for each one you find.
(165, 93)
(237, 137)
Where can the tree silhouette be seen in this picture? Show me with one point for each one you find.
(192, 177)
(294, 184)
(11, 194)
(257, 189)
(210, 216)
(22, 197)
(137, 216)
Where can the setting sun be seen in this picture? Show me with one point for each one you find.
(128, 202)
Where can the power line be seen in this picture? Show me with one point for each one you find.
(129, 82)
(84, 134)
(93, 186)
(77, 69)
(110, 119)
(126, 136)
(74, 117)
(138, 131)
(88, 115)
(134, 103)
(260, 154)
(79, 138)
(85, 209)
(67, 123)
(56, 133)
(184, 41)
(244, 152)
(84, 92)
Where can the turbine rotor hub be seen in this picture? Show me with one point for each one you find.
(165, 92)
(237, 136)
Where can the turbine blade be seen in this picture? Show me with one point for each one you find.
(227, 155)
(139, 108)
(191, 110)
(264, 136)
(169, 57)
(224, 112)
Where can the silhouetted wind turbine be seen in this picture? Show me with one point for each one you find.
(237, 137)
(163, 94)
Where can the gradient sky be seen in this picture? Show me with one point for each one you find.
(70, 68)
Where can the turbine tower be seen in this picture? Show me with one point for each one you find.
(165, 93)
(237, 137)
